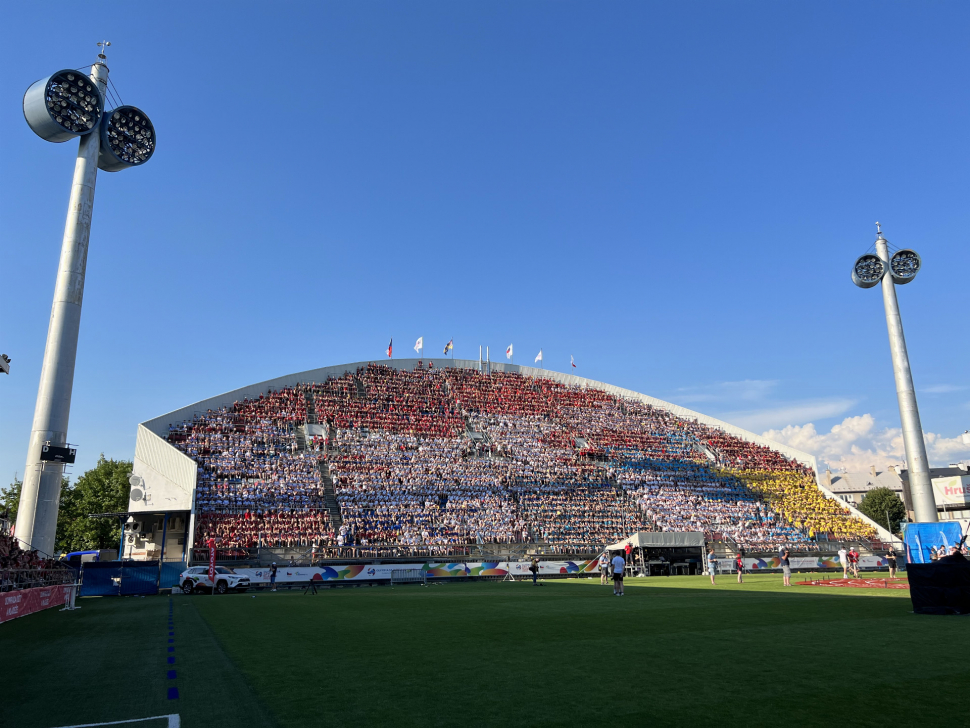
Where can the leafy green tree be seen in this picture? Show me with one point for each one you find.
(102, 489)
(879, 502)
(10, 500)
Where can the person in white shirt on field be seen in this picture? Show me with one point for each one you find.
(619, 564)
(844, 560)
(604, 566)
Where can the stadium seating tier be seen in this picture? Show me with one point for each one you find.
(448, 457)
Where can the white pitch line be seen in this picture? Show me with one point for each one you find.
(173, 721)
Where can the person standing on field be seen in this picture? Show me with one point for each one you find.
(272, 576)
(891, 560)
(739, 566)
(844, 560)
(785, 566)
(534, 568)
(604, 565)
(854, 562)
(619, 564)
(711, 564)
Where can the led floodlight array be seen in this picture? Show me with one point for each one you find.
(127, 139)
(65, 105)
(868, 271)
(904, 266)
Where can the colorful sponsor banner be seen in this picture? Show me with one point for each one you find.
(801, 562)
(953, 490)
(212, 561)
(15, 604)
(434, 569)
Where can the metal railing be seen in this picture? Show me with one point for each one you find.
(16, 579)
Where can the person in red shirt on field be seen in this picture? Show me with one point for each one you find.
(854, 562)
(739, 566)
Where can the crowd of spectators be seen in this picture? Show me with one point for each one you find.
(689, 496)
(22, 568)
(446, 457)
(801, 506)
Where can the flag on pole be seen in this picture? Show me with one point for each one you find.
(449, 346)
(508, 352)
(539, 356)
(419, 344)
(390, 347)
(573, 363)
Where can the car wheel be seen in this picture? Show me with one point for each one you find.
(221, 587)
(187, 587)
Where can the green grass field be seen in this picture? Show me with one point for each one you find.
(671, 652)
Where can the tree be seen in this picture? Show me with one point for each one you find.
(880, 501)
(102, 489)
(10, 501)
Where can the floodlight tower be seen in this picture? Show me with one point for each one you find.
(901, 268)
(65, 105)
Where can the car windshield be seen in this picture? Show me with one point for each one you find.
(223, 570)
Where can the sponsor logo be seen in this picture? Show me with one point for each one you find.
(13, 599)
(12, 611)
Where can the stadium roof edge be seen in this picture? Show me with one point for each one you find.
(159, 425)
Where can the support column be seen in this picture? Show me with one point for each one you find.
(920, 487)
(40, 495)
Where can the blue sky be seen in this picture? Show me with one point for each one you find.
(671, 193)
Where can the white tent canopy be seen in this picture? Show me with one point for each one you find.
(659, 539)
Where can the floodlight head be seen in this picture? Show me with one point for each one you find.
(868, 271)
(904, 264)
(127, 139)
(64, 105)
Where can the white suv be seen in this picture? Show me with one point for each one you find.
(197, 580)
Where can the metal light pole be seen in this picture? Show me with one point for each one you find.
(901, 268)
(60, 107)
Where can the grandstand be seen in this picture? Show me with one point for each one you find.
(415, 457)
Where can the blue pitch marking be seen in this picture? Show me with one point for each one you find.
(173, 692)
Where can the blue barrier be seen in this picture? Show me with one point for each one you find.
(100, 579)
(921, 537)
(119, 578)
(170, 574)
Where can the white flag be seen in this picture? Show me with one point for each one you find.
(571, 361)
(539, 356)
(508, 352)
(419, 344)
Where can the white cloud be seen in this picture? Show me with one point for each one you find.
(780, 415)
(943, 388)
(747, 390)
(856, 443)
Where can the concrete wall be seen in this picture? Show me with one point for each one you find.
(169, 475)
